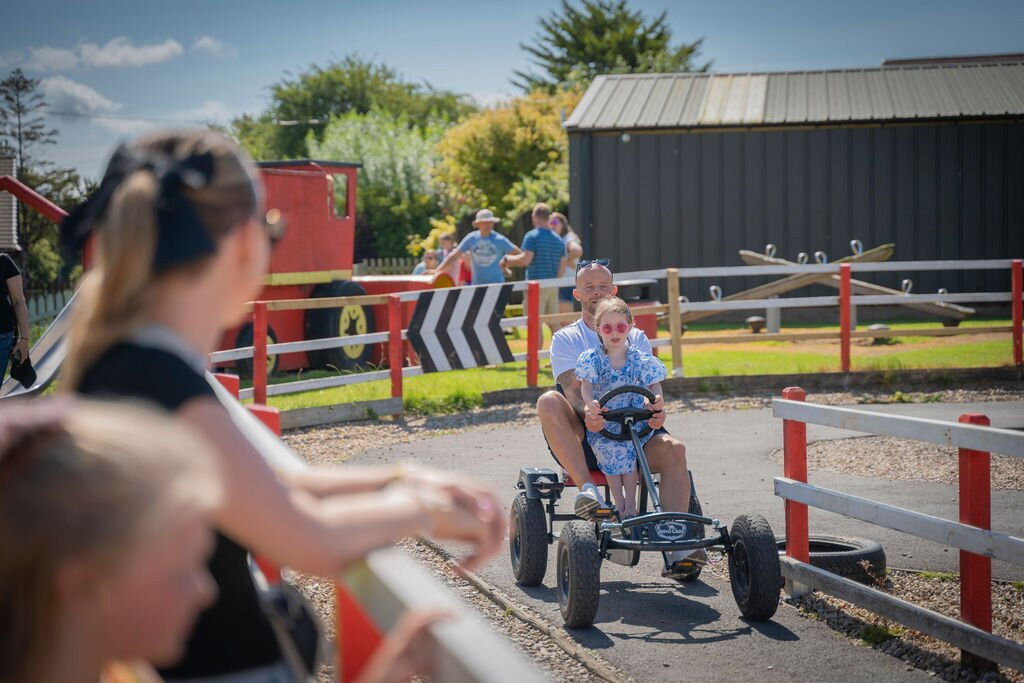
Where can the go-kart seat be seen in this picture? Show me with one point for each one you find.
(597, 476)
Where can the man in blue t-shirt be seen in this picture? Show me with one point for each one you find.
(486, 249)
(542, 256)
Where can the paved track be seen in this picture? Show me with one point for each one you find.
(657, 630)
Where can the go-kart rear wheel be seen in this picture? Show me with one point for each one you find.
(579, 574)
(754, 570)
(528, 540)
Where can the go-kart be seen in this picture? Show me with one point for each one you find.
(754, 571)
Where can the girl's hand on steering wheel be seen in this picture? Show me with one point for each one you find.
(594, 417)
(658, 420)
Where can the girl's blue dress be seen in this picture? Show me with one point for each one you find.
(643, 369)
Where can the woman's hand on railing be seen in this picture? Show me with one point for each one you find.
(457, 508)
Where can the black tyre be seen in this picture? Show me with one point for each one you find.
(754, 570)
(579, 574)
(340, 322)
(859, 559)
(243, 366)
(528, 540)
(695, 509)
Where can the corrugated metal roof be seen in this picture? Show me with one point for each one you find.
(8, 209)
(801, 97)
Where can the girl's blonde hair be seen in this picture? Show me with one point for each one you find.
(117, 291)
(91, 489)
(612, 304)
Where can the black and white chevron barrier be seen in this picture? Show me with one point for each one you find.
(453, 329)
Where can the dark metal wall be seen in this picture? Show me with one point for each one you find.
(953, 191)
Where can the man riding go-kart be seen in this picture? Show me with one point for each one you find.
(565, 418)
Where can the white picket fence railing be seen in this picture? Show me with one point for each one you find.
(46, 305)
(385, 266)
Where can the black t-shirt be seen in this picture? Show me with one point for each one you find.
(8, 269)
(233, 634)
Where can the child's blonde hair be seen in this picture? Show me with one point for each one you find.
(91, 489)
(612, 304)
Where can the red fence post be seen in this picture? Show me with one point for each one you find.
(794, 442)
(259, 352)
(1017, 276)
(976, 510)
(229, 382)
(356, 635)
(844, 316)
(532, 332)
(271, 417)
(395, 350)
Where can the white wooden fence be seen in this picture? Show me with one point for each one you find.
(46, 305)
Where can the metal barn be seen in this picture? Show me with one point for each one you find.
(686, 169)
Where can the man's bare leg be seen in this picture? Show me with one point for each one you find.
(565, 434)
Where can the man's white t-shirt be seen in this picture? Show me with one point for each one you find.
(569, 342)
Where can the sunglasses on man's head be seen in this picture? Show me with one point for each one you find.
(274, 225)
(608, 328)
(586, 263)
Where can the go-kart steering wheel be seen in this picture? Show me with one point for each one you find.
(620, 415)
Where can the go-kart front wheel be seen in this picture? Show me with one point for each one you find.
(754, 570)
(579, 574)
(528, 540)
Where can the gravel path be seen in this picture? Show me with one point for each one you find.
(335, 444)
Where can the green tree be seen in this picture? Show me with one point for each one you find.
(395, 198)
(575, 44)
(301, 105)
(508, 158)
(23, 128)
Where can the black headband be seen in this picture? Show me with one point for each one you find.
(181, 235)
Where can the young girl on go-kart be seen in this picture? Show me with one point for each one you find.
(600, 370)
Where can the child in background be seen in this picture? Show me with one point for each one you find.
(429, 262)
(600, 370)
(105, 529)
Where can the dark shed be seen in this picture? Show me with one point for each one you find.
(686, 169)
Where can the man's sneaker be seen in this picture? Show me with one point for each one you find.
(590, 505)
(689, 566)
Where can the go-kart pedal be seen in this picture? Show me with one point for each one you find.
(686, 566)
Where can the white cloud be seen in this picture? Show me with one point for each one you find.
(214, 47)
(120, 52)
(210, 111)
(47, 58)
(66, 95)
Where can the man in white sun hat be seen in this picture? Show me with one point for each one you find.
(485, 248)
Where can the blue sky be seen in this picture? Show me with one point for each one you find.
(196, 60)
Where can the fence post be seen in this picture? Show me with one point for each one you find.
(356, 636)
(259, 352)
(975, 570)
(396, 351)
(1017, 275)
(229, 382)
(844, 316)
(675, 325)
(794, 442)
(533, 332)
(271, 417)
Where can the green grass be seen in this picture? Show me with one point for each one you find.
(940, 576)
(463, 389)
(876, 634)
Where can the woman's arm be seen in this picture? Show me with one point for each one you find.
(322, 535)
